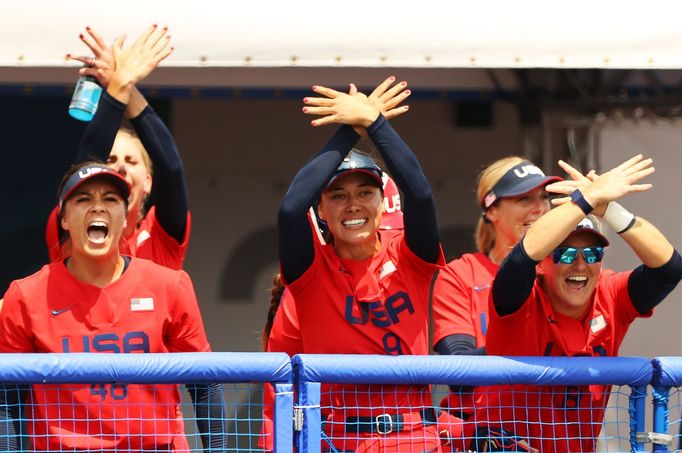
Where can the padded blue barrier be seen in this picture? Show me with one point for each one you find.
(113, 376)
(473, 370)
(324, 423)
(145, 368)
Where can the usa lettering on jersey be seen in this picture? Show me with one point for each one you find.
(381, 315)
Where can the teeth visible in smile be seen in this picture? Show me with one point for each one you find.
(577, 278)
(354, 222)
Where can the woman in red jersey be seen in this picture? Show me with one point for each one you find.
(551, 297)
(366, 291)
(99, 300)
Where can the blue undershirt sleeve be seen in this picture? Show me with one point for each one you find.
(649, 286)
(419, 207)
(514, 281)
(99, 135)
(209, 409)
(296, 249)
(170, 188)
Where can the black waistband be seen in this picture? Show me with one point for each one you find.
(386, 423)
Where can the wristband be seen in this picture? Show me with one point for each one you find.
(619, 218)
(578, 198)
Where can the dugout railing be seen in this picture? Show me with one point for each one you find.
(302, 422)
(238, 372)
(630, 375)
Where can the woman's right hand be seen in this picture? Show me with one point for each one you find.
(136, 62)
(341, 108)
(600, 190)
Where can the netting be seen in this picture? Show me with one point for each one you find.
(144, 403)
(139, 403)
(520, 404)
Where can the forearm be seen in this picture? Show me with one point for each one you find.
(99, 136)
(421, 224)
(170, 188)
(209, 408)
(550, 230)
(648, 286)
(136, 104)
(296, 250)
(650, 245)
(514, 281)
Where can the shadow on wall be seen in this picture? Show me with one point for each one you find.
(258, 251)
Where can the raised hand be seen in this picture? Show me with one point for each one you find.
(577, 181)
(341, 108)
(387, 98)
(600, 190)
(101, 66)
(136, 62)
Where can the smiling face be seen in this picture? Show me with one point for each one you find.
(570, 286)
(94, 217)
(127, 158)
(511, 217)
(352, 206)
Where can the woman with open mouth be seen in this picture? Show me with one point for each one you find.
(511, 194)
(99, 300)
(366, 290)
(551, 297)
(160, 233)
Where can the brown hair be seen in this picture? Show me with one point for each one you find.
(487, 178)
(276, 293)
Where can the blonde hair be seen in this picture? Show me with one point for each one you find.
(487, 178)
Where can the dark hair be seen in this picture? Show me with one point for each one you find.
(63, 235)
(276, 293)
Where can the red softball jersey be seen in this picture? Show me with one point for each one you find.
(149, 309)
(149, 241)
(559, 418)
(460, 298)
(373, 306)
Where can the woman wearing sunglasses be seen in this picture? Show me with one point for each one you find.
(552, 298)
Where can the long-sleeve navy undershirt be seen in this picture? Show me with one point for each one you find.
(170, 189)
(295, 236)
(647, 286)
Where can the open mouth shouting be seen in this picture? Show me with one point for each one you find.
(98, 231)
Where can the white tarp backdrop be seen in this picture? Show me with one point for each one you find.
(429, 33)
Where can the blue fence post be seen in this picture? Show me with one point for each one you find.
(309, 437)
(284, 418)
(660, 396)
(637, 408)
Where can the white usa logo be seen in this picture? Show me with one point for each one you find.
(142, 304)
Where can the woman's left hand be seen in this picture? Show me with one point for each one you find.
(578, 181)
(102, 65)
(336, 107)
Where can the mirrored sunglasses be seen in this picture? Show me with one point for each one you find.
(567, 255)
